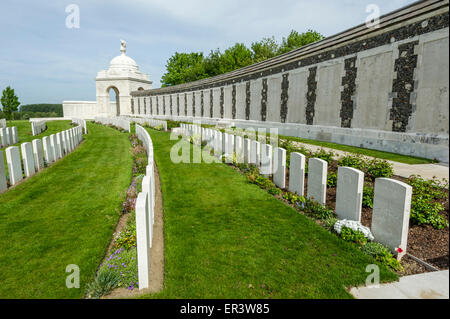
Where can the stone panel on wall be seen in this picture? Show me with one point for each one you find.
(372, 108)
(296, 104)
(274, 99)
(327, 107)
(240, 101)
(255, 100)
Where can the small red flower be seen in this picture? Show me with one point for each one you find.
(400, 250)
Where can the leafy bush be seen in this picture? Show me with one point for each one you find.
(379, 168)
(104, 283)
(126, 239)
(324, 155)
(329, 223)
(355, 236)
(315, 210)
(291, 197)
(424, 206)
(275, 191)
(368, 194)
(332, 179)
(355, 161)
(382, 254)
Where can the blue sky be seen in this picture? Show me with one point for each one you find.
(45, 62)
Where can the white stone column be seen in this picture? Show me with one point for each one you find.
(317, 180)
(391, 210)
(38, 154)
(279, 167)
(297, 174)
(3, 184)
(142, 240)
(349, 193)
(14, 165)
(9, 135)
(28, 159)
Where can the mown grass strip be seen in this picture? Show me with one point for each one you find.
(63, 215)
(227, 238)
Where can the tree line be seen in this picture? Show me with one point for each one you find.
(12, 110)
(188, 67)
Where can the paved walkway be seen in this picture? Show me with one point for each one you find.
(432, 285)
(427, 171)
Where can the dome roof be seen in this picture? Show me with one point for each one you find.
(124, 63)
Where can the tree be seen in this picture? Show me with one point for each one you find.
(296, 40)
(10, 102)
(184, 67)
(236, 57)
(265, 49)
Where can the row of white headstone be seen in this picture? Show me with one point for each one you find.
(8, 136)
(50, 149)
(392, 198)
(145, 213)
(150, 122)
(116, 121)
(2, 123)
(80, 122)
(37, 127)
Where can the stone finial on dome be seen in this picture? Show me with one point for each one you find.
(123, 46)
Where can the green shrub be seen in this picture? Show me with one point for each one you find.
(368, 194)
(353, 236)
(355, 161)
(382, 254)
(425, 210)
(126, 239)
(329, 223)
(332, 179)
(291, 197)
(316, 210)
(324, 155)
(275, 191)
(379, 168)
(103, 284)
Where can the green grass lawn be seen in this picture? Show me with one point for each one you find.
(24, 129)
(64, 215)
(227, 238)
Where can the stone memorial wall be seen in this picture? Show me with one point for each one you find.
(382, 88)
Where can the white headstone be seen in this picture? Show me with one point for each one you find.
(3, 184)
(38, 154)
(247, 144)
(14, 164)
(317, 180)
(391, 210)
(15, 135)
(28, 159)
(279, 167)
(239, 147)
(147, 188)
(142, 240)
(218, 150)
(55, 148)
(3, 139)
(229, 147)
(349, 193)
(59, 145)
(297, 174)
(266, 159)
(9, 135)
(255, 153)
(48, 152)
